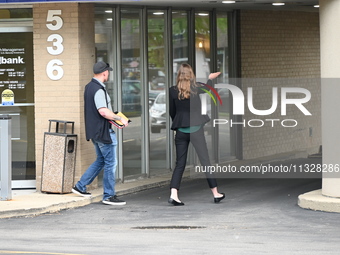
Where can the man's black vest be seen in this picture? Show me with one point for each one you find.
(97, 127)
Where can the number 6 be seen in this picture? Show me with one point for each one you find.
(54, 66)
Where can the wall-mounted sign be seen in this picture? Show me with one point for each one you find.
(7, 97)
(16, 65)
(12, 66)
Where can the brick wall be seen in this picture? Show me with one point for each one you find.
(63, 99)
(276, 46)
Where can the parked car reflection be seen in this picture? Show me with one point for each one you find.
(153, 95)
(158, 114)
(131, 97)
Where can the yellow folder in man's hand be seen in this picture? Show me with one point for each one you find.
(118, 123)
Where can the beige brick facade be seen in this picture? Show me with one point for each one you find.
(63, 99)
(280, 45)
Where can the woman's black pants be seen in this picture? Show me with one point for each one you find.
(182, 141)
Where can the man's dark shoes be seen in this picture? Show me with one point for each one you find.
(75, 190)
(218, 199)
(114, 200)
(174, 202)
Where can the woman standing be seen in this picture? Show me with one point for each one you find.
(188, 122)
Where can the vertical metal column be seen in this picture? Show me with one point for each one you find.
(145, 99)
(5, 157)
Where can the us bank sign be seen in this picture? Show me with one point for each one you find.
(239, 105)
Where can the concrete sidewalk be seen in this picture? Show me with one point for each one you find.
(31, 203)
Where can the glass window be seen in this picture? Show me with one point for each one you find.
(131, 91)
(16, 14)
(16, 74)
(179, 40)
(103, 37)
(157, 89)
(202, 46)
(225, 149)
(202, 52)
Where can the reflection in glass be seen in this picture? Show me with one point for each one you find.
(179, 40)
(225, 145)
(157, 89)
(202, 50)
(202, 45)
(131, 91)
(103, 38)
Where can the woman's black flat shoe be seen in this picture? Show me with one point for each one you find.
(218, 199)
(174, 202)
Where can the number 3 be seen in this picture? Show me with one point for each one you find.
(58, 47)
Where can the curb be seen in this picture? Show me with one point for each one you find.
(314, 200)
(75, 202)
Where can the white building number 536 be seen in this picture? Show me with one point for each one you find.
(55, 22)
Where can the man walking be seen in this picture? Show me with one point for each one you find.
(98, 112)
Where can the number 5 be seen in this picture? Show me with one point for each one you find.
(52, 15)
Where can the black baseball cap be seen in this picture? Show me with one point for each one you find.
(101, 67)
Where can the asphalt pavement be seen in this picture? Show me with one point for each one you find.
(258, 216)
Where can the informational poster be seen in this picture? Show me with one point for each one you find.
(16, 66)
(12, 75)
(7, 97)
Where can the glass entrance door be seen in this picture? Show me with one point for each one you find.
(146, 50)
(158, 87)
(132, 91)
(16, 78)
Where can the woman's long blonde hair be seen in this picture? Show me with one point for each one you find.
(185, 82)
